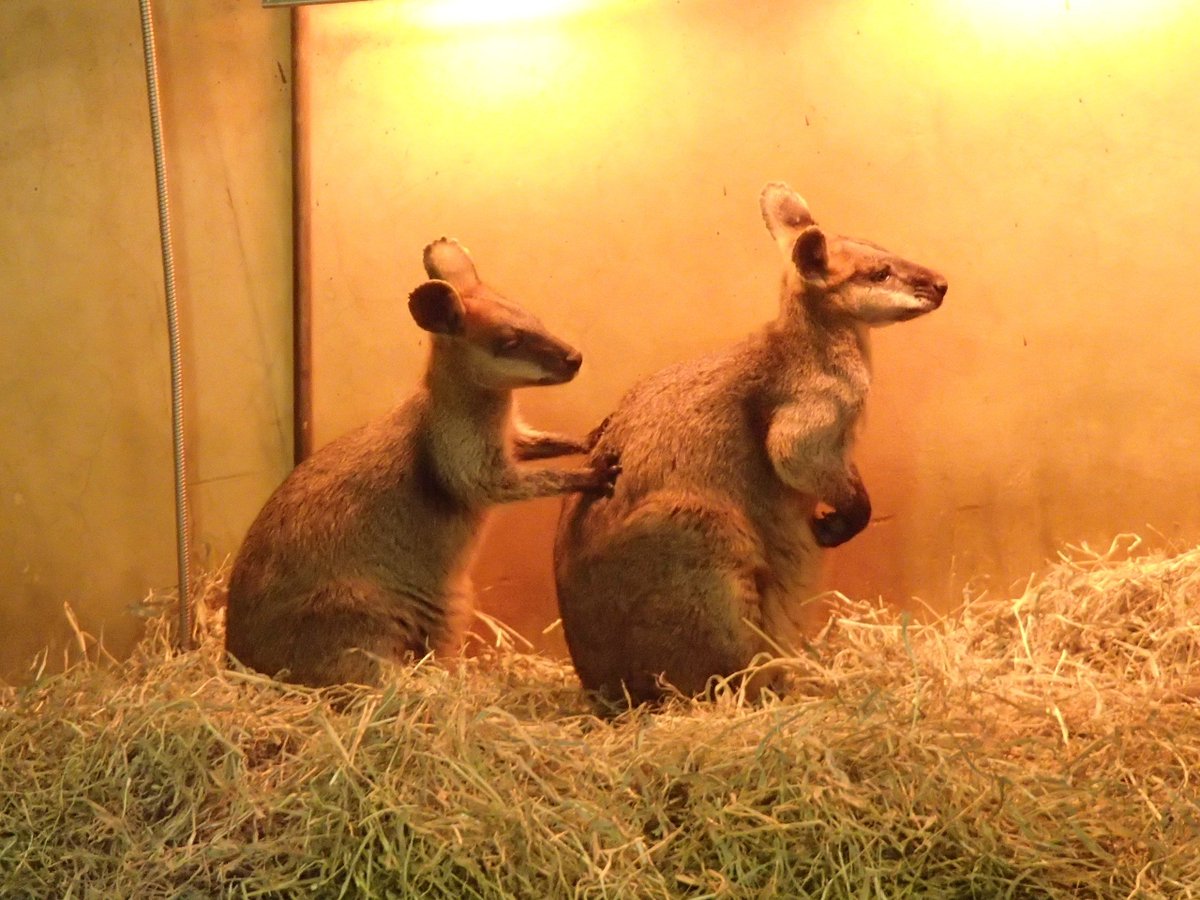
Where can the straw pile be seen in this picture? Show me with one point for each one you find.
(1047, 746)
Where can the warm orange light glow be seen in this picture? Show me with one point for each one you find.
(528, 95)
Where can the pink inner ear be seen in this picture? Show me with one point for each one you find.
(793, 214)
(784, 209)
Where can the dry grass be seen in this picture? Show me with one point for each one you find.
(1042, 747)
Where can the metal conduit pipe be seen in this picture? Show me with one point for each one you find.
(182, 526)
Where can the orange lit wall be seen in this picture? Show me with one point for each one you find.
(86, 504)
(604, 167)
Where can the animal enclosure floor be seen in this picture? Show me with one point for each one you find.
(1046, 745)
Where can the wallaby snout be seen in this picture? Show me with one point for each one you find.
(927, 285)
(928, 290)
(561, 362)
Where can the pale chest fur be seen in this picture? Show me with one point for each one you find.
(836, 365)
(470, 448)
(814, 387)
(839, 392)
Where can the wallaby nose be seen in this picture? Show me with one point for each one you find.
(572, 361)
(940, 286)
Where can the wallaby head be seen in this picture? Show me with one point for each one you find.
(494, 343)
(833, 277)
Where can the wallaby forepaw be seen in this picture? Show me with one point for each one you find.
(607, 469)
(832, 529)
(838, 524)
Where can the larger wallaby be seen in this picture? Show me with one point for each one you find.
(710, 540)
(362, 552)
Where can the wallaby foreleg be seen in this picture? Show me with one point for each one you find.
(530, 445)
(807, 446)
(529, 484)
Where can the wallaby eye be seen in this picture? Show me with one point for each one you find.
(508, 342)
(880, 274)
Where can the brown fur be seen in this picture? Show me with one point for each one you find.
(711, 538)
(362, 553)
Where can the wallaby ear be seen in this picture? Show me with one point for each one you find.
(437, 307)
(449, 260)
(810, 254)
(785, 213)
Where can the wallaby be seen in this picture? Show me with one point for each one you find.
(362, 553)
(707, 551)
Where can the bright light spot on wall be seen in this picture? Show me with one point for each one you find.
(470, 13)
(535, 95)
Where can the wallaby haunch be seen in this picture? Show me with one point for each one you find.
(706, 553)
(362, 552)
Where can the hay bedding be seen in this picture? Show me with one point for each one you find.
(1042, 747)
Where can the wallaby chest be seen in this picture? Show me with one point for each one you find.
(802, 362)
(465, 452)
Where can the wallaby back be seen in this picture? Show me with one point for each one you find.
(707, 551)
(362, 554)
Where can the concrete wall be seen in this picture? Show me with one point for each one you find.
(86, 507)
(604, 168)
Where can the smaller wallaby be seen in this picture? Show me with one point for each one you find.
(362, 553)
(707, 551)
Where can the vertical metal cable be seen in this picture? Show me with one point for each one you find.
(182, 527)
(302, 391)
